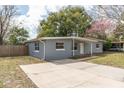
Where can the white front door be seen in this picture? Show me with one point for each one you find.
(81, 48)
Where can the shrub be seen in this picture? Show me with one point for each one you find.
(107, 45)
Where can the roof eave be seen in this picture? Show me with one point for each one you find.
(54, 38)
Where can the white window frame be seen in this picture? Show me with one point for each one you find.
(61, 49)
(36, 51)
(36, 46)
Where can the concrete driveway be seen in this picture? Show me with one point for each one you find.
(73, 74)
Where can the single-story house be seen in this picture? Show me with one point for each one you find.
(50, 48)
(117, 46)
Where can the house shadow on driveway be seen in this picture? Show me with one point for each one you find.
(80, 58)
(74, 60)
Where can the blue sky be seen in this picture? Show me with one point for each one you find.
(23, 9)
(30, 15)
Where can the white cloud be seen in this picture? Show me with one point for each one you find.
(31, 20)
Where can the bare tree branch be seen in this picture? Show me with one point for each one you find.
(7, 12)
(108, 11)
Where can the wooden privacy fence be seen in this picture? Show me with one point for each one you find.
(13, 50)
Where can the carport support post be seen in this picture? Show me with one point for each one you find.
(91, 49)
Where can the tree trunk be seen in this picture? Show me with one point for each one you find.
(1, 40)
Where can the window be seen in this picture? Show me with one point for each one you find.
(59, 45)
(120, 45)
(37, 46)
(97, 45)
(75, 46)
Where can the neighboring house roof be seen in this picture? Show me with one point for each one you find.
(118, 42)
(76, 38)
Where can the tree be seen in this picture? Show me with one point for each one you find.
(119, 32)
(101, 29)
(68, 20)
(112, 12)
(107, 45)
(18, 35)
(7, 12)
(107, 11)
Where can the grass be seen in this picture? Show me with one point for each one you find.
(1, 84)
(11, 75)
(108, 58)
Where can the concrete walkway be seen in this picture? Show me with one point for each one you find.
(79, 74)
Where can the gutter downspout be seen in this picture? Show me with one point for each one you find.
(91, 50)
(73, 46)
(44, 56)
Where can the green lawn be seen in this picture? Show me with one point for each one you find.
(108, 58)
(10, 73)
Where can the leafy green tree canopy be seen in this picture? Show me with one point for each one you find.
(68, 20)
(17, 35)
(107, 45)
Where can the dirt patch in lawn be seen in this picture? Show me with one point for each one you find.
(11, 75)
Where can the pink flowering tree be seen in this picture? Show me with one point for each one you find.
(100, 29)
